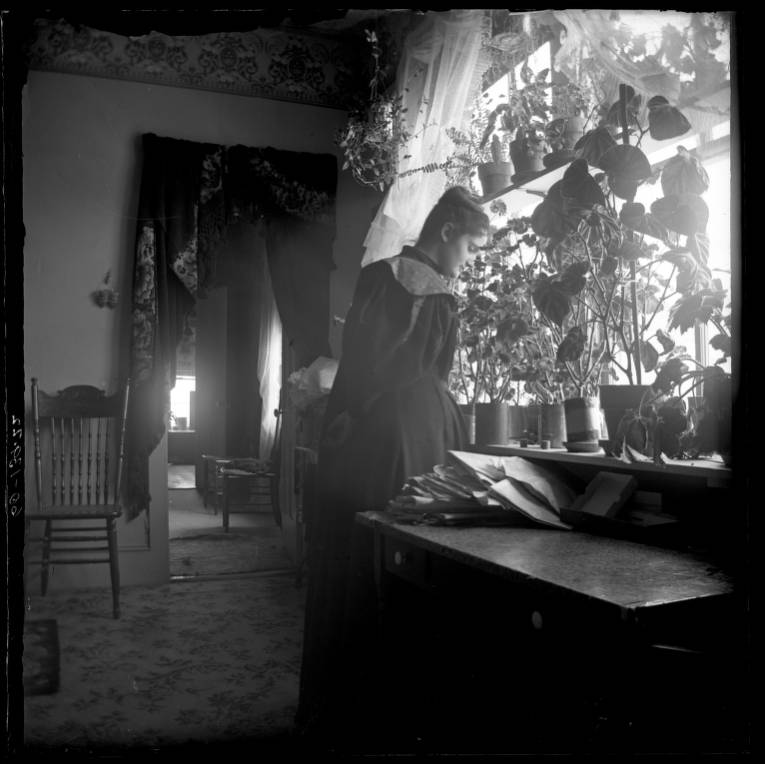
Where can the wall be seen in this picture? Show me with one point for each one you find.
(81, 145)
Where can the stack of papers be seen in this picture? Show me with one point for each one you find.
(481, 489)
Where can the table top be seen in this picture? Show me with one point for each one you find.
(231, 472)
(627, 574)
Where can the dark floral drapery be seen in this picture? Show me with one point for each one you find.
(189, 193)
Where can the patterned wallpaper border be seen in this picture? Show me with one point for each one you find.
(267, 63)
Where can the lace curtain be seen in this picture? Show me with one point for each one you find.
(269, 360)
(436, 79)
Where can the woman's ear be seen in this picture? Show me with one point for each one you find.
(447, 231)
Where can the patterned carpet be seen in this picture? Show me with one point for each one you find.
(207, 661)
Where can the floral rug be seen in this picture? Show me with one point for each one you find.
(41, 657)
(206, 661)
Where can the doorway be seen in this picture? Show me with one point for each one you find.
(228, 364)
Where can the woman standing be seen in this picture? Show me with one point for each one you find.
(389, 416)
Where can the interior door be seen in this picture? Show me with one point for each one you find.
(211, 376)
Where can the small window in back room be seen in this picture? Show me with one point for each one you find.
(180, 403)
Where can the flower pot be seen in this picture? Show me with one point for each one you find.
(552, 424)
(468, 416)
(494, 176)
(516, 423)
(527, 159)
(582, 423)
(531, 421)
(616, 399)
(490, 423)
(573, 131)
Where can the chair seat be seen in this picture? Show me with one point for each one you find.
(74, 511)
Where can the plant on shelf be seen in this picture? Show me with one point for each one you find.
(573, 107)
(687, 424)
(525, 115)
(505, 355)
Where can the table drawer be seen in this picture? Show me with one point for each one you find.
(406, 561)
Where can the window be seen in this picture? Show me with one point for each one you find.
(180, 403)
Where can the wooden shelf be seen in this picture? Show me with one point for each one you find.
(716, 474)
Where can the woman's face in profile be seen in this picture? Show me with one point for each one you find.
(456, 250)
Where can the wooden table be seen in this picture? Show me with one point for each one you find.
(553, 640)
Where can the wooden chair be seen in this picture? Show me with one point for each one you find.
(79, 444)
(212, 479)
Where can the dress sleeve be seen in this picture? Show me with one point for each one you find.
(392, 337)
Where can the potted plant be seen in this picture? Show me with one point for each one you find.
(525, 114)
(504, 354)
(496, 331)
(570, 103)
(670, 419)
(496, 174)
(475, 152)
(608, 288)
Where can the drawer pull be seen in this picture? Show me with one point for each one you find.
(536, 620)
(402, 558)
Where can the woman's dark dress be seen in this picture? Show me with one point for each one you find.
(398, 344)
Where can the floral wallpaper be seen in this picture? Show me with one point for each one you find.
(268, 63)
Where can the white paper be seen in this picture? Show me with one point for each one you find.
(541, 481)
(513, 497)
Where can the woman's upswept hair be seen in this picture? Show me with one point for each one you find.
(459, 206)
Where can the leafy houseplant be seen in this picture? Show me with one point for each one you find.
(600, 301)
(526, 114)
(503, 351)
(666, 423)
(570, 103)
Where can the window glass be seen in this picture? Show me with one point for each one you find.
(180, 403)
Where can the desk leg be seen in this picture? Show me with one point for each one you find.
(379, 577)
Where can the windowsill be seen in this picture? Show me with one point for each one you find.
(712, 470)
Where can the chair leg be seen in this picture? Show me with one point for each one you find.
(225, 510)
(45, 559)
(114, 565)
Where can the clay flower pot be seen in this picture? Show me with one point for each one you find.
(582, 423)
(491, 424)
(494, 176)
(552, 424)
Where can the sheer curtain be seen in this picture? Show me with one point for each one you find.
(269, 360)
(435, 77)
